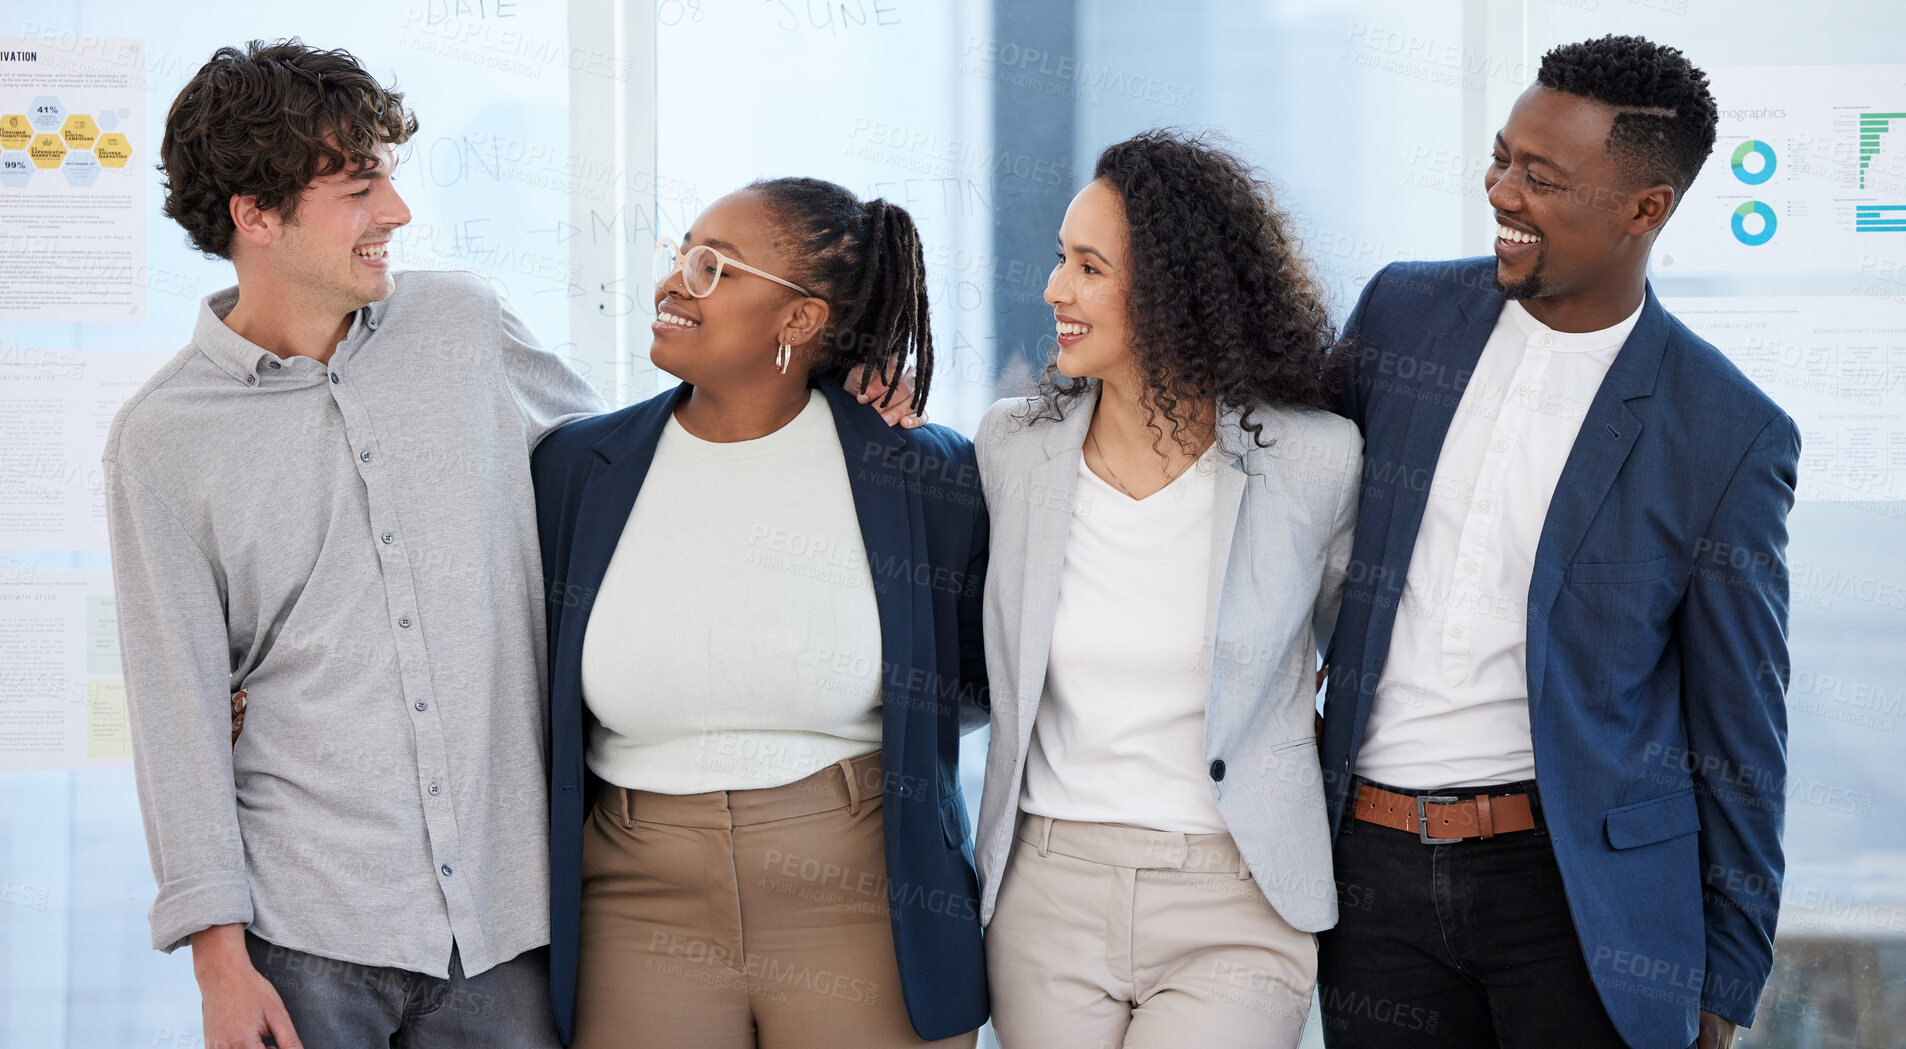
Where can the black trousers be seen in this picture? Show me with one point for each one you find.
(1468, 945)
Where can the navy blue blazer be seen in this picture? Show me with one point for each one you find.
(1657, 636)
(923, 521)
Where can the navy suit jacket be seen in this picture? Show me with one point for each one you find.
(923, 522)
(1657, 636)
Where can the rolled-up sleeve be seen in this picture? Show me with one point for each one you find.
(173, 643)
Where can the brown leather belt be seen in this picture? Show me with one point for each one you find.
(1439, 819)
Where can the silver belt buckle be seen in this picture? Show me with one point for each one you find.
(1422, 817)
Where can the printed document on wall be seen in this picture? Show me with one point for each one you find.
(62, 698)
(56, 407)
(73, 165)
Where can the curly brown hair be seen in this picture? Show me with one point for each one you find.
(1223, 308)
(265, 122)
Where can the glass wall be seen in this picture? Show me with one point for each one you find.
(561, 139)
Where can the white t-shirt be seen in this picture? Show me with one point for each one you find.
(1452, 705)
(735, 643)
(1120, 733)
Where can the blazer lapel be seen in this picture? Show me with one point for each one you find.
(622, 463)
(1048, 523)
(1608, 434)
(1228, 506)
(1454, 352)
(1233, 445)
(894, 537)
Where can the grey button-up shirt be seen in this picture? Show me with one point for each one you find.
(355, 547)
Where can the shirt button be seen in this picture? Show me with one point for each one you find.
(1484, 506)
(404, 621)
(365, 456)
(1502, 446)
(275, 365)
(334, 378)
(445, 869)
(1548, 340)
(1217, 770)
(421, 705)
(1455, 631)
(1523, 389)
(1470, 568)
(434, 789)
(387, 538)
(251, 380)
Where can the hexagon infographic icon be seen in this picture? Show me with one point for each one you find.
(46, 113)
(15, 132)
(15, 169)
(112, 149)
(79, 131)
(81, 169)
(46, 150)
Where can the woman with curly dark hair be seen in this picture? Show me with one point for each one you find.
(1171, 520)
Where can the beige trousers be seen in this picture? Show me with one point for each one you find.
(1107, 936)
(745, 918)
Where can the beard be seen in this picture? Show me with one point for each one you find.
(1529, 287)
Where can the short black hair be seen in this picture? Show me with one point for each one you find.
(1665, 116)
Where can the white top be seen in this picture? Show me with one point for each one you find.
(1120, 733)
(1452, 704)
(735, 642)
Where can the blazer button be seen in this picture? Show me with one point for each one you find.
(1217, 770)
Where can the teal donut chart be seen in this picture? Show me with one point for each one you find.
(1739, 222)
(1739, 163)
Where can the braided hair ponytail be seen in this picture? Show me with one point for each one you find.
(865, 260)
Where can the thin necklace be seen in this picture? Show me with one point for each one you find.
(1107, 463)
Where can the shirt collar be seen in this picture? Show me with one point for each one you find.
(243, 359)
(1572, 341)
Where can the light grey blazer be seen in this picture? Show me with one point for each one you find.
(1280, 548)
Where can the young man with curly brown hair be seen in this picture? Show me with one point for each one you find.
(322, 505)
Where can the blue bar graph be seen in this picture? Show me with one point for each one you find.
(1879, 218)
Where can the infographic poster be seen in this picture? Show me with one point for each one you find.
(1837, 365)
(62, 696)
(1808, 173)
(55, 410)
(73, 164)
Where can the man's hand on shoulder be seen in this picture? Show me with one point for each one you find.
(897, 410)
(241, 1008)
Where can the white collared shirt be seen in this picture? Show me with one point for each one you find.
(1451, 707)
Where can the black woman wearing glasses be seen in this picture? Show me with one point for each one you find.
(764, 638)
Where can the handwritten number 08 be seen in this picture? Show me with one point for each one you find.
(671, 12)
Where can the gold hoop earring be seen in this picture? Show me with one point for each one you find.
(783, 353)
